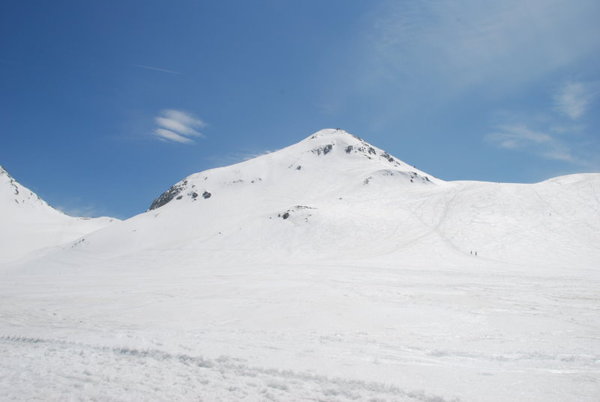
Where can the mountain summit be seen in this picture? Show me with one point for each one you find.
(11, 192)
(29, 223)
(330, 160)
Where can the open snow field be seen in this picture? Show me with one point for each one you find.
(300, 332)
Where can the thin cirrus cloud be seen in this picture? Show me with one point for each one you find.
(574, 98)
(161, 70)
(177, 126)
(559, 136)
(521, 137)
(458, 44)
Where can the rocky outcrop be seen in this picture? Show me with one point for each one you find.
(168, 195)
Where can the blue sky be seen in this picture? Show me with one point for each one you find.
(103, 105)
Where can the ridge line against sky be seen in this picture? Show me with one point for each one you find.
(103, 106)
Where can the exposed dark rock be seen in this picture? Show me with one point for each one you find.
(179, 197)
(299, 167)
(78, 242)
(206, 194)
(296, 209)
(168, 195)
(323, 150)
(194, 195)
(349, 149)
(388, 157)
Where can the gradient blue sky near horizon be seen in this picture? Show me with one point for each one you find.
(105, 104)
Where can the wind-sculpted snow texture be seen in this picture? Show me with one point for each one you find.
(328, 270)
(167, 376)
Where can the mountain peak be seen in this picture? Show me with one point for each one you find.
(331, 132)
(335, 141)
(29, 223)
(12, 191)
(328, 161)
(4, 171)
(333, 136)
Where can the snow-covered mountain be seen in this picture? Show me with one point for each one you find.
(336, 196)
(328, 270)
(29, 224)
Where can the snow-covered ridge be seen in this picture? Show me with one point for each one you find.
(326, 153)
(30, 224)
(333, 194)
(13, 191)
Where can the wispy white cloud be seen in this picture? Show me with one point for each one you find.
(162, 70)
(85, 211)
(232, 158)
(555, 134)
(574, 98)
(169, 135)
(428, 55)
(459, 44)
(521, 137)
(178, 126)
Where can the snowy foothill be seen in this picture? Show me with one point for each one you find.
(328, 270)
(29, 224)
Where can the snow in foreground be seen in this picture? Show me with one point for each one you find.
(300, 332)
(80, 371)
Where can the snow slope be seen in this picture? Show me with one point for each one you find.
(30, 224)
(336, 196)
(328, 270)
